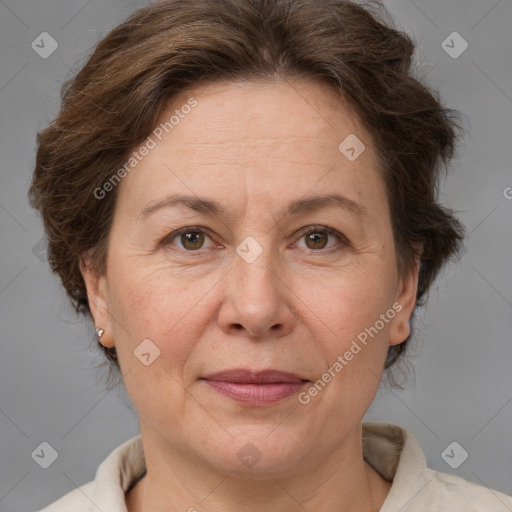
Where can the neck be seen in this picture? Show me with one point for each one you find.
(344, 481)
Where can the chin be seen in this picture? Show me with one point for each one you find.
(258, 449)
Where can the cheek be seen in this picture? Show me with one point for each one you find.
(356, 339)
(147, 308)
(152, 304)
(355, 346)
(348, 303)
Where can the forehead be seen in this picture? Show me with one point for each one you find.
(265, 112)
(267, 138)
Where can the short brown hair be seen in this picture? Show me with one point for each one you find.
(115, 100)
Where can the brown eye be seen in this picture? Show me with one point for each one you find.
(318, 238)
(188, 239)
(192, 240)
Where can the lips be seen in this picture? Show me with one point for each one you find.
(243, 376)
(251, 388)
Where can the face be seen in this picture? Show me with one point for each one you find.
(274, 277)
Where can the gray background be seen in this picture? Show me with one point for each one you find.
(50, 390)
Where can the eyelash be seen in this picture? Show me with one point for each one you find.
(302, 233)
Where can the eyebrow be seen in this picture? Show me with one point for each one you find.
(214, 208)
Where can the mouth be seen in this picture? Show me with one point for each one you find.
(255, 388)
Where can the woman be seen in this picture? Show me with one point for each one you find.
(242, 196)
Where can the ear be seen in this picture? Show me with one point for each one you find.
(96, 286)
(406, 301)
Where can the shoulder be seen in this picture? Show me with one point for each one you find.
(396, 454)
(452, 493)
(122, 467)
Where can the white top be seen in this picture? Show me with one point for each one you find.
(391, 450)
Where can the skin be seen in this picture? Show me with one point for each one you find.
(254, 147)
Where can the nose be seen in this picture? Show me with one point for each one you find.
(257, 300)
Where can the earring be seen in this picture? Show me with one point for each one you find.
(99, 332)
